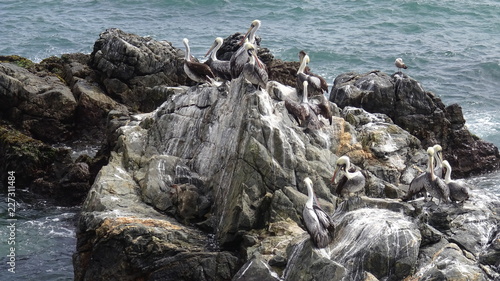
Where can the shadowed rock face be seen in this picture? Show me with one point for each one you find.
(420, 113)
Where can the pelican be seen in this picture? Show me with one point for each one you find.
(240, 57)
(198, 72)
(436, 188)
(459, 191)
(306, 113)
(254, 71)
(299, 111)
(400, 64)
(220, 68)
(419, 182)
(318, 223)
(354, 181)
(438, 158)
(317, 84)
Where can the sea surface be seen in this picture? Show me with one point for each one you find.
(451, 47)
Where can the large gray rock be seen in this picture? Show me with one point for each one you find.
(131, 66)
(420, 113)
(231, 161)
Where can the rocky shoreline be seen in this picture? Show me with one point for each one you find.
(205, 183)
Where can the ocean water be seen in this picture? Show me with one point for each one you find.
(451, 47)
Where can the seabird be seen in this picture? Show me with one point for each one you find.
(240, 57)
(418, 183)
(317, 84)
(254, 71)
(400, 64)
(299, 111)
(198, 72)
(306, 113)
(436, 188)
(318, 223)
(354, 181)
(219, 68)
(459, 191)
(438, 158)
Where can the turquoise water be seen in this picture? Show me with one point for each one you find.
(452, 48)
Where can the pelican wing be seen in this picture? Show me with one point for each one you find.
(296, 110)
(417, 185)
(201, 69)
(324, 219)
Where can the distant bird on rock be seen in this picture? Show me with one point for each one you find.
(317, 84)
(254, 70)
(352, 182)
(220, 68)
(198, 72)
(459, 191)
(400, 64)
(318, 223)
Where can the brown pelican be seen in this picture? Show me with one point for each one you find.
(318, 223)
(198, 72)
(459, 191)
(438, 158)
(254, 71)
(306, 113)
(240, 57)
(219, 68)
(436, 188)
(418, 183)
(354, 181)
(317, 84)
(400, 64)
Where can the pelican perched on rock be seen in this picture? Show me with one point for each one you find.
(436, 188)
(306, 113)
(400, 64)
(318, 223)
(438, 158)
(219, 68)
(198, 72)
(240, 57)
(317, 84)
(254, 71)
(459, 191)
(418, 183)
(354, 181)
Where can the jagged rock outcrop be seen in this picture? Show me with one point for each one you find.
(231, 160)
(130, 66)
(209, 185)
(419, 112)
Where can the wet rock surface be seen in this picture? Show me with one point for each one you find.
(420, 113)
(208, 183)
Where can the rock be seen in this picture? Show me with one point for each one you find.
(130, 67)
(420, 113)
(306, 263)
(208, 185)
(362, 239)
(43, 106)
(256, 269)
(449, 263)
(121, 237)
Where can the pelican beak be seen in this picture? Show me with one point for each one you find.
(254, 53)
(211, 48)
(335, 175)
(246, 35)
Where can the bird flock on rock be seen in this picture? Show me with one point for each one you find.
(347, 179)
